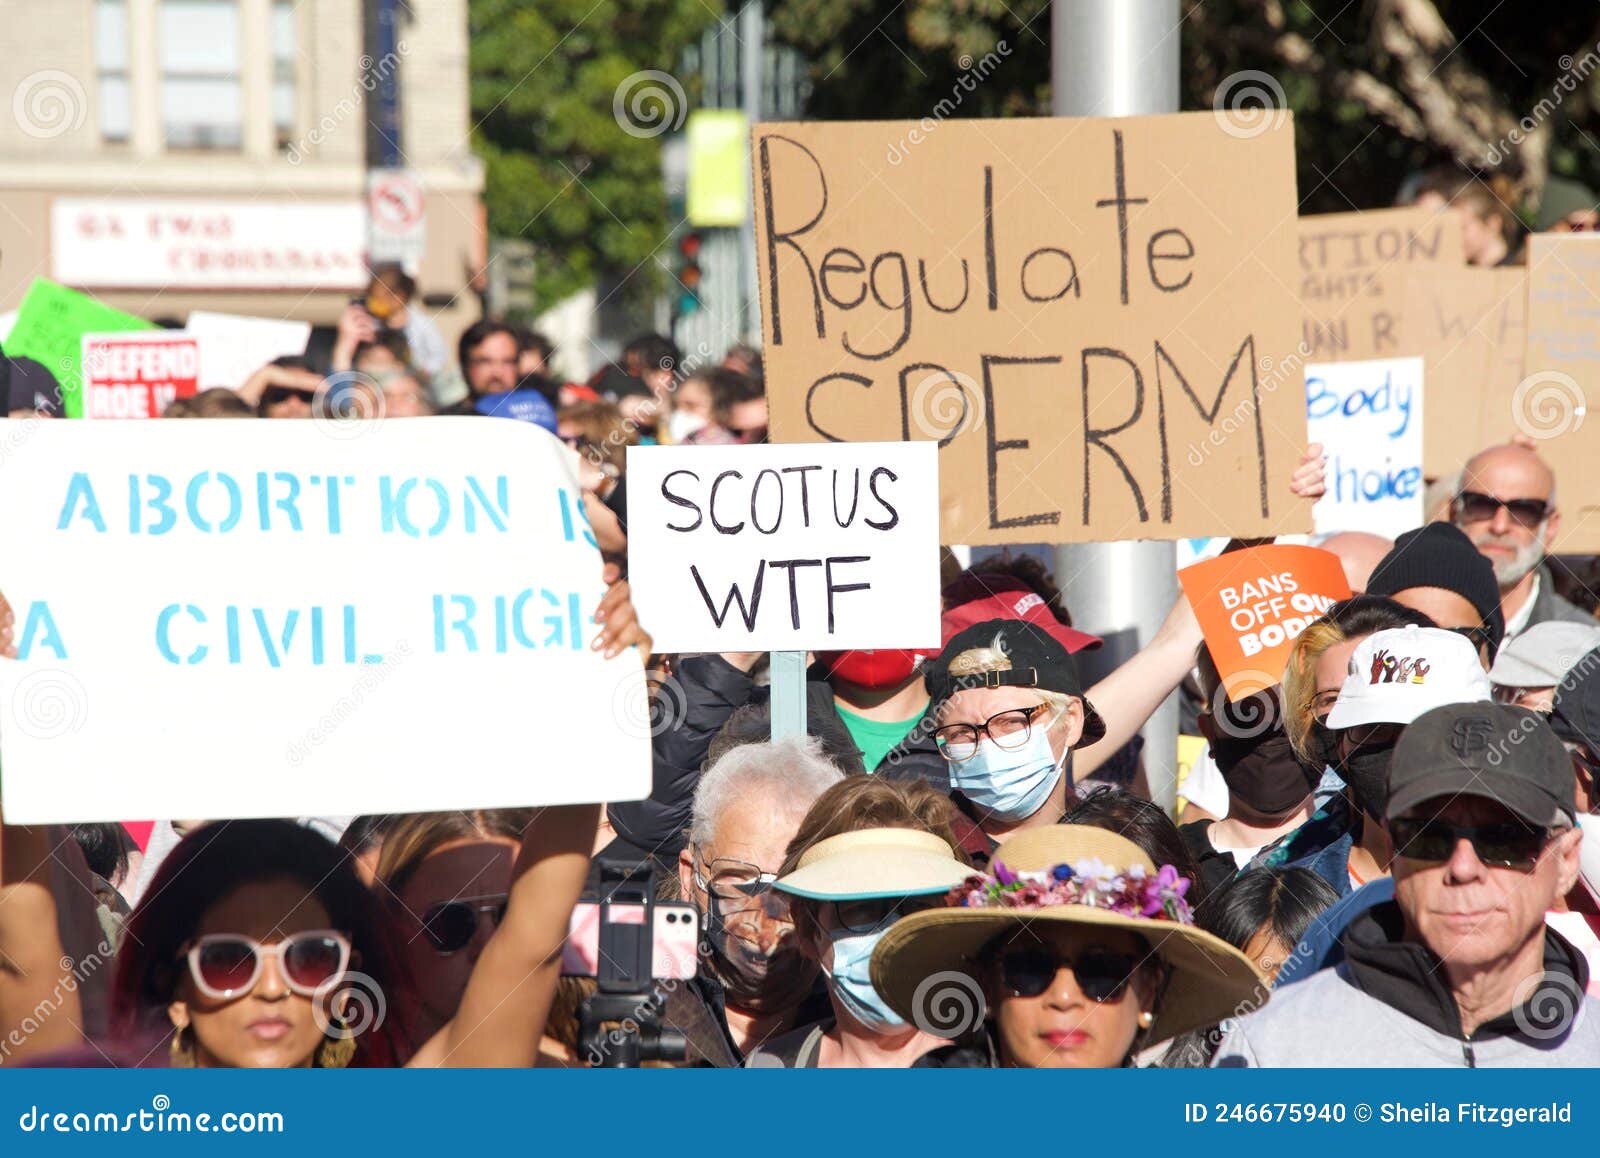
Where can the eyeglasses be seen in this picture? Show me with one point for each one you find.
(871, 913)
(738, 886)
(224, 965)
(1101, 975)
(1501, 845)
(1009, 730)
(1474, 507)
(451, 925)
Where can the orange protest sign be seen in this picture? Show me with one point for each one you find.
(1252, 604)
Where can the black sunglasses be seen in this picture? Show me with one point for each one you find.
(1506, 844)
(1477, 636)
(1029, 970)
(451, 925)
(1475, 507)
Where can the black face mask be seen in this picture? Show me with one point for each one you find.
(1366, 771)
(752, 981)
(1263, 772)
(1323, 743)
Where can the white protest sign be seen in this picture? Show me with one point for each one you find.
(234, 346)
(138, 373)
(786, 548)
(1368, 416)
(234, 619)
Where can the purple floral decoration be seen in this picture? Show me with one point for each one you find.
(1133, 893)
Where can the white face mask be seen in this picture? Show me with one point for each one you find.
(1589, 854)
(680, 424)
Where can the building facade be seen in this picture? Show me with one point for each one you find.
(172, 155)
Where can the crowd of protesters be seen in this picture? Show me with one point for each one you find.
(957, 865)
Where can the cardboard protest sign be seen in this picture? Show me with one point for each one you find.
(234, 346)
(409, 633)
(1353, 277)
(786, 548)
(50, 326)
(1469, 326)
(138, 375)
(1551, 404)
(1369, 417)
(1092, 318)
(1252, 604)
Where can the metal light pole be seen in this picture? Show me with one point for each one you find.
(1119, 58)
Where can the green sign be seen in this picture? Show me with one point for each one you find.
(49, 329)
(719, 167)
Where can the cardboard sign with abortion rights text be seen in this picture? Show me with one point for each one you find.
(1252, 604)
(139, 374)
(785, 548)
(1353, 269)
(302, 621)
(1093, 318)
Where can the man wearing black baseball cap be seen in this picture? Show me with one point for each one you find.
(1010, 708)
(1460, 968)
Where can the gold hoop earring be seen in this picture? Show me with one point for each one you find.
(335, 1053)
(180, 1051)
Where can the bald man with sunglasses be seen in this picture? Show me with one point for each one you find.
(1506, 504)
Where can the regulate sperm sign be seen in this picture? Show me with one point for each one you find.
(1369, 417)
(785, 548)
(1088, 317)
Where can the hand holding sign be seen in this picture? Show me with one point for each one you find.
(1252, 604)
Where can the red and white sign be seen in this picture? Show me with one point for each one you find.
(137, 375)
(395, 217)
(117, 243)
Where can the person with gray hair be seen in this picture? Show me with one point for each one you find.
(754, 980)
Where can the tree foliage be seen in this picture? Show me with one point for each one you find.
(1379, 88)
(563, 170)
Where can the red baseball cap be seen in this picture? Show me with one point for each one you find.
(979, 598)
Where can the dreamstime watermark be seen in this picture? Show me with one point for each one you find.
(973, 73)
(347, 405)
(1276, 373)
(945, 404)
(373, 74)
(1548, 404)
(349, 1004)
(75, 973)
(664, 708)
(48, 103)
(649, 103)
(948, 1004)
(1250, 103)
(373, 676)
(50, 703)
(1573, 73)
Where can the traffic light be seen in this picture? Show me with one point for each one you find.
(688, 274)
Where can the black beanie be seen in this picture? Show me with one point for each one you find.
(1441, 555)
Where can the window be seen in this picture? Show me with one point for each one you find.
(283, 72)
(111, 70)
(201, 99)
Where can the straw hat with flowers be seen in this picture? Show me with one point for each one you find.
(1083, 876)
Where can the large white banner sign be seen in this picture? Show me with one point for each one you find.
(233, 619)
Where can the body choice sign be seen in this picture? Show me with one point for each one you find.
(304, 625)
(786, 548)
(1368, 415)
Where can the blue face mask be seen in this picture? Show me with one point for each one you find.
(851, 979)
(1009, 786)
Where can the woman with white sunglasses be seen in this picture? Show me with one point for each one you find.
(258, 946)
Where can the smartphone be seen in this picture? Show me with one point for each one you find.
(674, 942)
